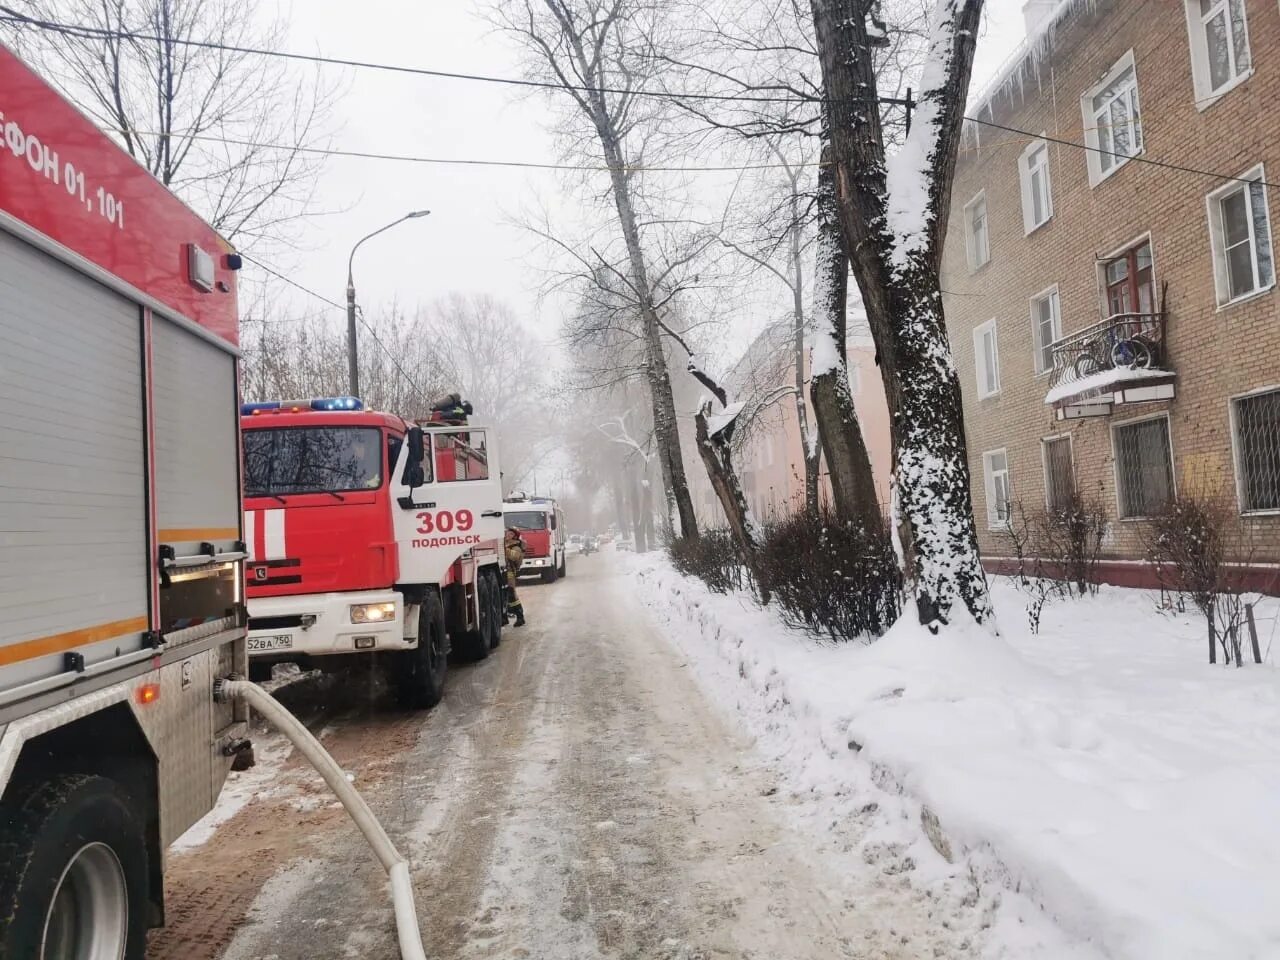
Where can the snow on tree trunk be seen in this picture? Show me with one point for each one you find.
(852, 482)
(894, 218)
(713, 447)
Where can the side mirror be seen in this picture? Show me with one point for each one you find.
(414, 476)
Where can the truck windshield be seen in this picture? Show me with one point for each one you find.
(527, 520)
(286, 460)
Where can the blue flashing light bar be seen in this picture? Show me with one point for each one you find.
(297, 406)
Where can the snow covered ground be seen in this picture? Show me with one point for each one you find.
(1101, 768)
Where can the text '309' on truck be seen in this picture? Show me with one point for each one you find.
(372, 536)
(120, 539)
(541, 525)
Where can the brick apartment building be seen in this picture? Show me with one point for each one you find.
(1115, 322)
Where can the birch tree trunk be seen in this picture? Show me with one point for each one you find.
(893, 214)
(811, 449)
(853, 486)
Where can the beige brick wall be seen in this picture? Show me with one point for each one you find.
(1217, 353)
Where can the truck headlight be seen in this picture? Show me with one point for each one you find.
(372, 612)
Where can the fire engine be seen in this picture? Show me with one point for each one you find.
(120, 543)
(541, 525)
(370, 535)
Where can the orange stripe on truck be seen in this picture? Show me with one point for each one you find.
(62, 642)
(193, 534)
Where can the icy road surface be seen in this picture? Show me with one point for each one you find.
(575, 796)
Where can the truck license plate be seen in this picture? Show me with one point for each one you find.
(281, 641)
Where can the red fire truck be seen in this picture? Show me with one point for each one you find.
(120, 542)
(541, 525)
(371, 535)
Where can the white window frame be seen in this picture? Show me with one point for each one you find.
(980, 358)
(1036, 345)
(1044, 460)
(1206, 95)
(1217, 241)
(1093, 155)
(1235, 451)
(989, 484)
(1029, 224)
(970, 253)
(1115, 461)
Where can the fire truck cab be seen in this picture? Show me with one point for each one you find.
(541, 525)
(370, 535)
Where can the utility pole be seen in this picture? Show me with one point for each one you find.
(353, 371)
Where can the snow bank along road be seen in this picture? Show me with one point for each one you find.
(575, 796)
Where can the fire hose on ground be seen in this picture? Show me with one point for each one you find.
(397, 866)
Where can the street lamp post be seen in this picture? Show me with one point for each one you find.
(353, 374)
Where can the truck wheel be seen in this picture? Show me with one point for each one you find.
(497, 609)
(75, 873)
(549, 574)
(477, 643)
(420, 677)
(564, 564)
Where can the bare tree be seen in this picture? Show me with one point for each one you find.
(294, 356)
(599, 52)
(893, 213)
(162, 78)
(500, 367)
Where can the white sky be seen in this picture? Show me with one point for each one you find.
(465, 244)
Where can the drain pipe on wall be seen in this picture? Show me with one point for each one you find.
(397, 867)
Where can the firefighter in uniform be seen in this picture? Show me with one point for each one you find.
(515, 557)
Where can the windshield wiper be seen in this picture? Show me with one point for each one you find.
(331, 493)
(273, 496)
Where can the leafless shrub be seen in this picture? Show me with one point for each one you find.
(712, 558)
(1200, 550)
(1056, 551)
(833, 578)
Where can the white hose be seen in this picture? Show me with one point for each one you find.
(397, 867)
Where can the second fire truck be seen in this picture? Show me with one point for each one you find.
(370, 535)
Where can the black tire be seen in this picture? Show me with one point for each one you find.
(1086, 365)
(75, 819)
(420, 672)
(1131, 354)
(476, 644)
(497, 608)
(549, 575)
(564, 564)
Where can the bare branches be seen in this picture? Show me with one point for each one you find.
(163, 99)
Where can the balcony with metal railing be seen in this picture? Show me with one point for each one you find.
(1119, 360)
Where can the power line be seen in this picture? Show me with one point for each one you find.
(1135, 158)
(523, 164)
(337, 306)
(101, 33)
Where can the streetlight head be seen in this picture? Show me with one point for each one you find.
(416, 214)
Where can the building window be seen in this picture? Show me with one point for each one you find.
(1256, 423)
(1240, 231)
(1046, 327)
(995, 468)
(977, 240)
(986, 354)
(1130, 281)
(1059, 474)
(1113, 120)
(1144, 467)
(1219, 46)
(1037, 194)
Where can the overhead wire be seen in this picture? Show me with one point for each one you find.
(8, 14)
